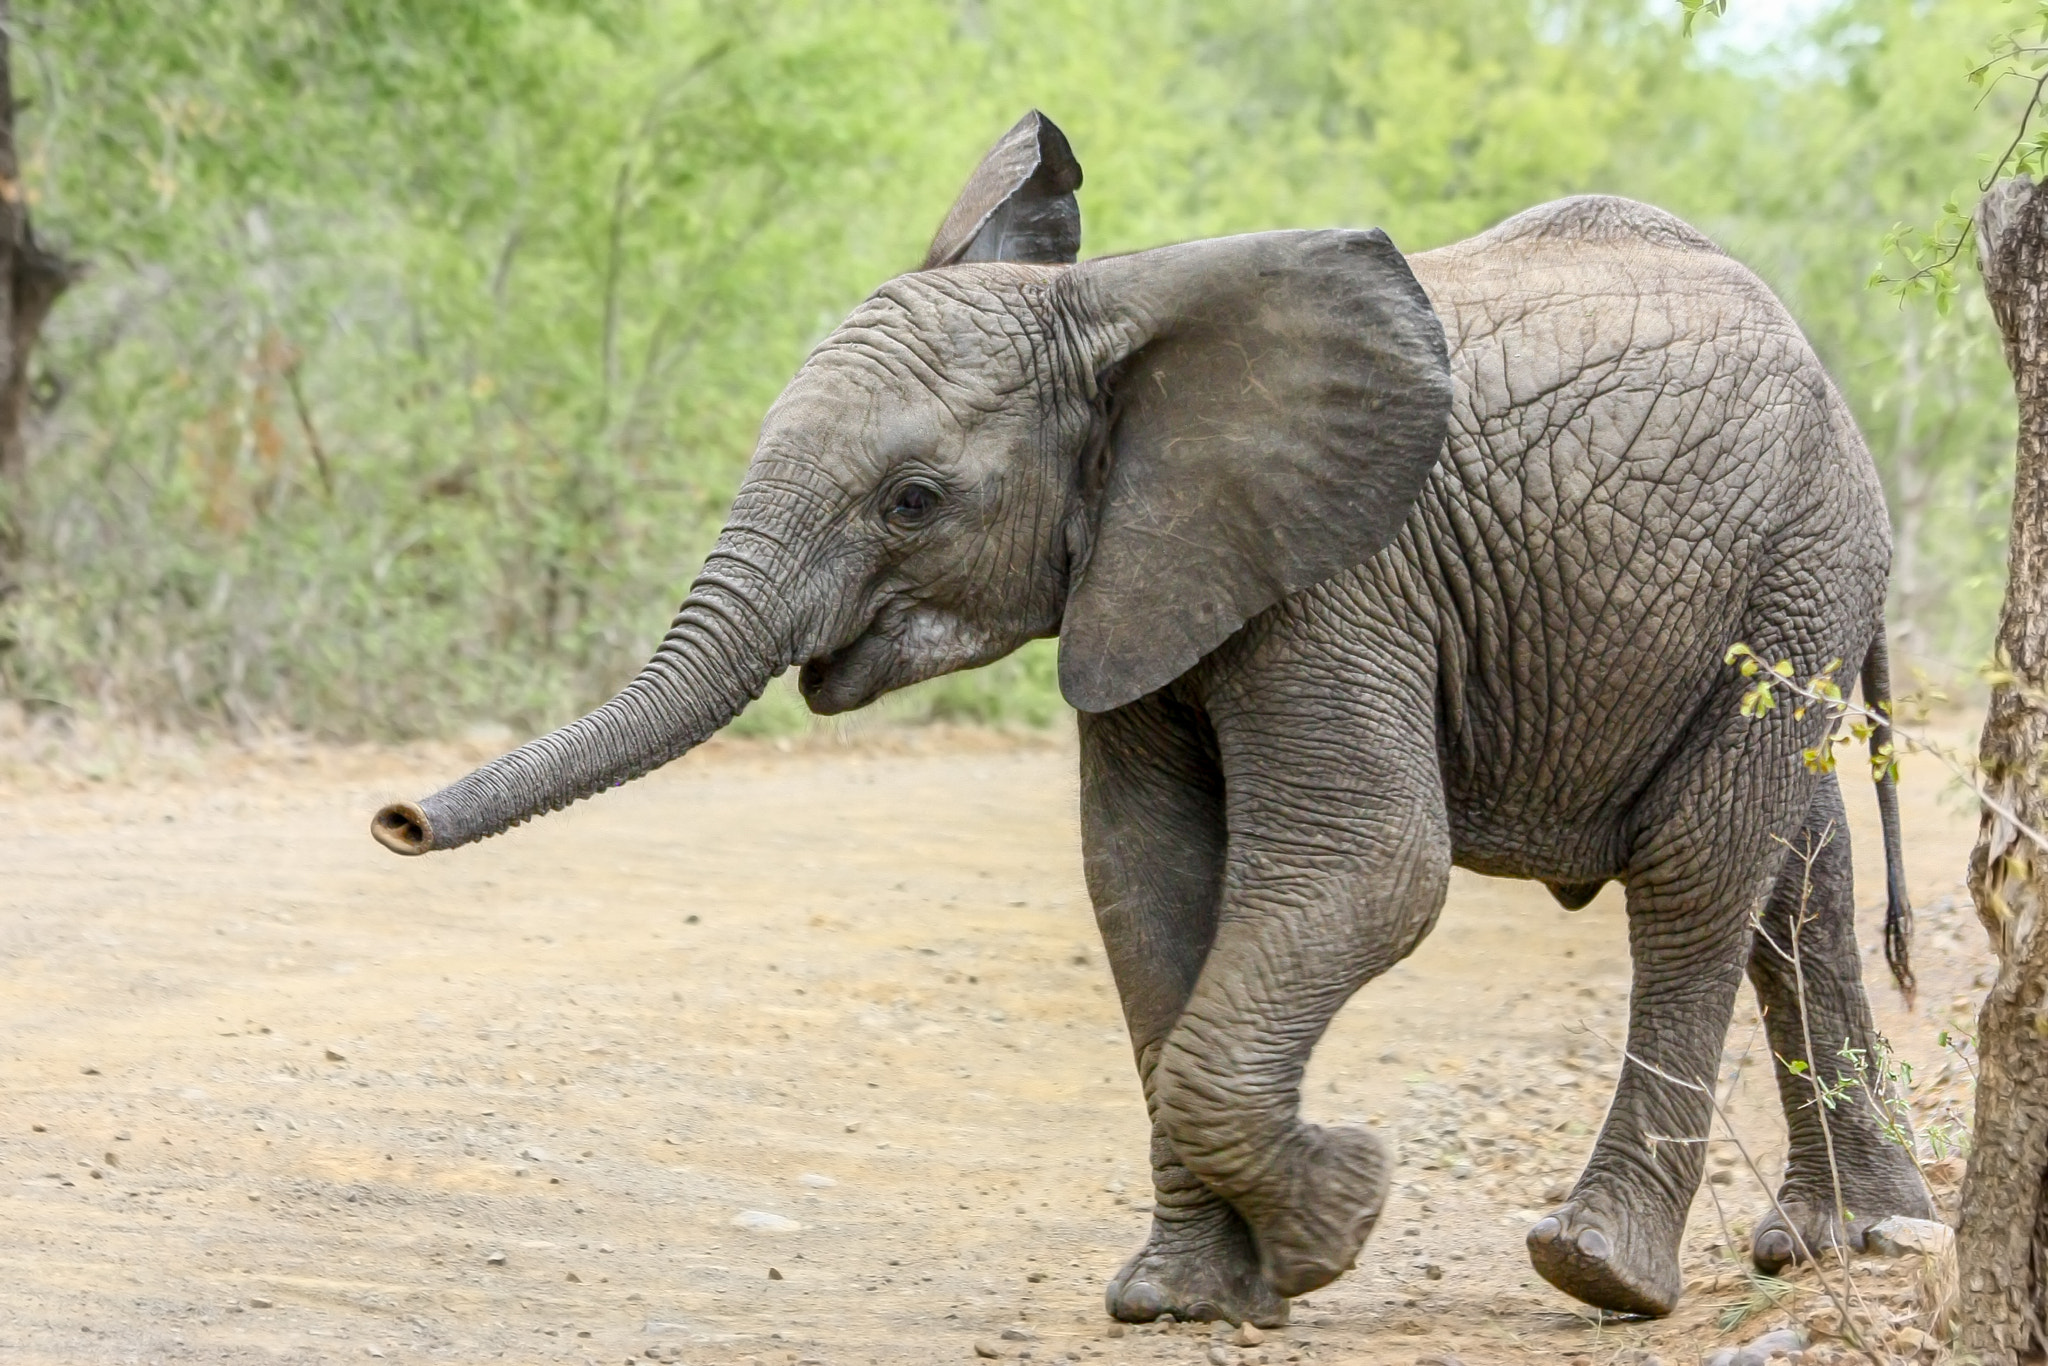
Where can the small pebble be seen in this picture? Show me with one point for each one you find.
(760, 1221)
(773, 1274)
(1781, 1342)
(1898, 1236)
(986, 1350)
(1248, 1335)
(1217, 1356)
(495, 1259)
(258, 1302)
(1019, 1335)
(333, 1056)
(1115, 1330)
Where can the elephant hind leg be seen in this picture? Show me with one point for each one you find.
(1614, 1242)
(1809, 980)
(1697, 873)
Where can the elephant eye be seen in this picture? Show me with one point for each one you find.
(914, 502)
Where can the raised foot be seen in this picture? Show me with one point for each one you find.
(1604, 1260)
(1197, 1270)
(1773, 1247)
(1329, 1196)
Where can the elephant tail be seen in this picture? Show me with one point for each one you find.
(1898, 912)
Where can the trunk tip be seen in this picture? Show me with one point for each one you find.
(403, 829)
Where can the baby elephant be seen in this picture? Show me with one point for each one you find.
(1362, 566)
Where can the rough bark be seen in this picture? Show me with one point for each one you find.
(31, 279)
(2003, 1239)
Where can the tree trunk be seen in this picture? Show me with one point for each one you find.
(2002, 1244)
(31, 279)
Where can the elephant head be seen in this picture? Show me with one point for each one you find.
(1138, 454)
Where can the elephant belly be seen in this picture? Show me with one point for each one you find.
(1575, 665)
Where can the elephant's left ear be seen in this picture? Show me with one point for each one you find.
(1018, 205)
(1277, 403)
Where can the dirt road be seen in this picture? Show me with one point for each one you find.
(803, 1057)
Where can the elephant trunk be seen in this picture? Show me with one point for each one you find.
(732, 635)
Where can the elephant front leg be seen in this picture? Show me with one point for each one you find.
(1317, 902)
(1199, 1262)
(1153, 831)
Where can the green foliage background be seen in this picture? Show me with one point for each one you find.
(425, 342)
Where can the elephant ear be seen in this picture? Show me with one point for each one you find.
(1019, 203)
(1276, 403)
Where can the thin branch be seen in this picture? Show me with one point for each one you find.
(305, 412)
(1820, 1103)
(1842, 707)
(2026, 115)
(614, 266)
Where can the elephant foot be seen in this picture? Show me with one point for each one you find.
(1199, 1266)
(1812, 1217)
(1593, 1252)
(1334, 1186)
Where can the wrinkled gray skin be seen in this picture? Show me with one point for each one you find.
(1322, 658)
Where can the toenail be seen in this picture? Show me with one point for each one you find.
(1775, 1245)
(1142, 1300)
(1594, 1244)
(1545, 1230)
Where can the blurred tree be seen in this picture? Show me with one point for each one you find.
(1816, 174)
(2002, 1237)
(31, 279)
(2002, 1233)
(425, 342)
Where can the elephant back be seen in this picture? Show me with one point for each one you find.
(1598, 220)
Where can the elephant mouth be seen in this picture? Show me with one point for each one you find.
(897, 650)
(829, 686)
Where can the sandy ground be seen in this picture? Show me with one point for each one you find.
(773, 1057)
